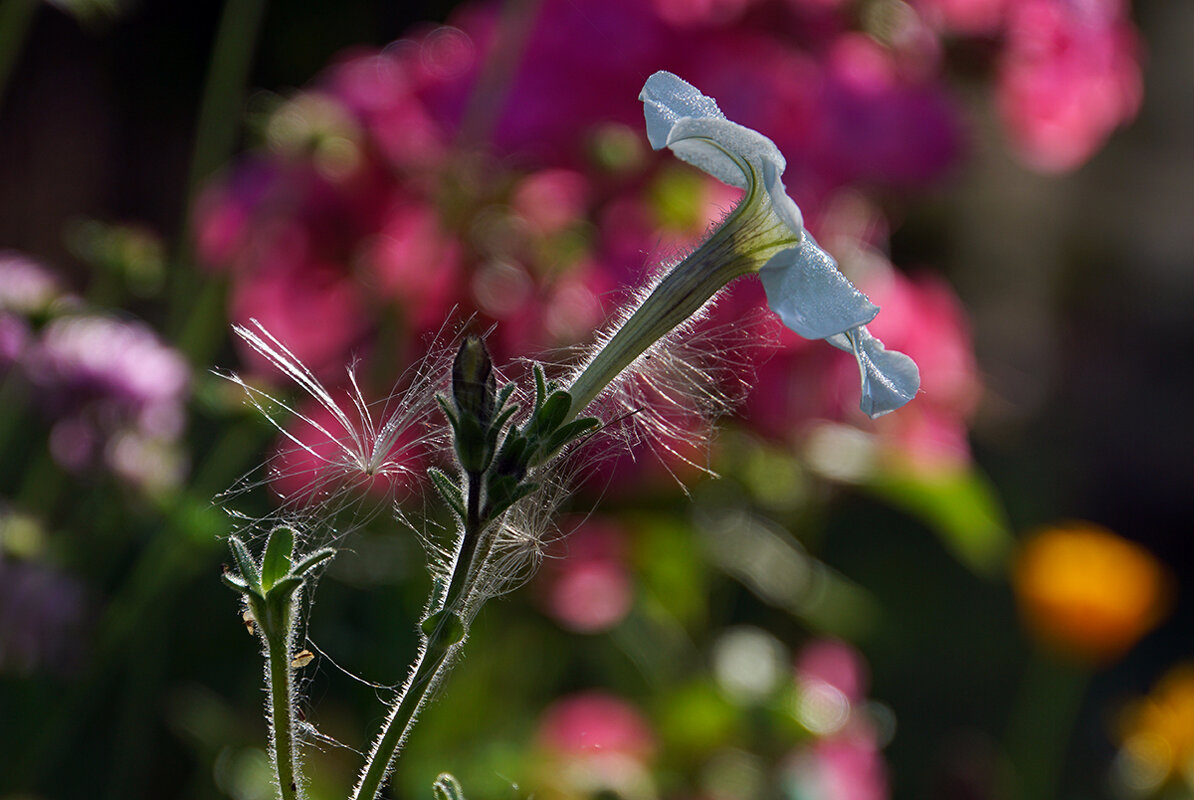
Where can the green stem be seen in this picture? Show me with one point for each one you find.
(429, 670)
(473, 529)
(281, 700)
(438, 652)
(741, 245)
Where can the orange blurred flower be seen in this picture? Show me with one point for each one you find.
(1087, 592)
(1157, 734)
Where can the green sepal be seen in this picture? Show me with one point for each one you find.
(552, 413)
(244, 561)
(511, 497)
(496, 428)
(448, 490)
(567, 433)
(504, 394)
(235, 582)
(276, 563)
(512, 459)
(287, 585)
(540, 386)
(311, 561)
(446, 407)
(446, 787)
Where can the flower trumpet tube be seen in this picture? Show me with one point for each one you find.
(763, 234)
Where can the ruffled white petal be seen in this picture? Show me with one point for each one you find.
(804, 286)
(667, 99)
(809, 294)
(679, 117)
(889, 378)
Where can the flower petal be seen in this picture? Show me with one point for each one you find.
(679, 117)
(783, 205)
(803, 284)
(810, 296)
(668, 99)
(889, 378)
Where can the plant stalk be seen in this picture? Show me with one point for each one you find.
(281, 701)
(740, 245)
(437, 654)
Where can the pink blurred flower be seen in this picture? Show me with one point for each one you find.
(837, 769)
(592, 744)
(965, 17)
(544, 118)
(386, 90)
(834, 663)
(26, 287)
(587, 586)
(1068, 77)
(595, 723)
(552, 199)
(225, 212)
(116, 394)
(876, 124)
(14, 338)
(925, 319)
(413, 262)
(844, 762)
(701, 12)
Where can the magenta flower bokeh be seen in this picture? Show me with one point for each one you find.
(495, 169)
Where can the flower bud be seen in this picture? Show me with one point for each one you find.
(473, 390)
(473, 384)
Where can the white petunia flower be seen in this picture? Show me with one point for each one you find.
(802, 281)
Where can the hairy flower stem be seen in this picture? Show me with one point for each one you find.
(448, 630)
(740, 245)
(474, 528)
(282, 713)
(433, 663)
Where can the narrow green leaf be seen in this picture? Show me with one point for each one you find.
(504, 394)
(540, 387)
(446, 407)
(448, 490)
(244, 561)
(552, 413)
(278, 551)
(235, 582)
(567, 433)
(509, 498)
(286, 586)
(496, 427)
(313, 560)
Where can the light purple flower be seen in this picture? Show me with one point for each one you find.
(116, 393)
